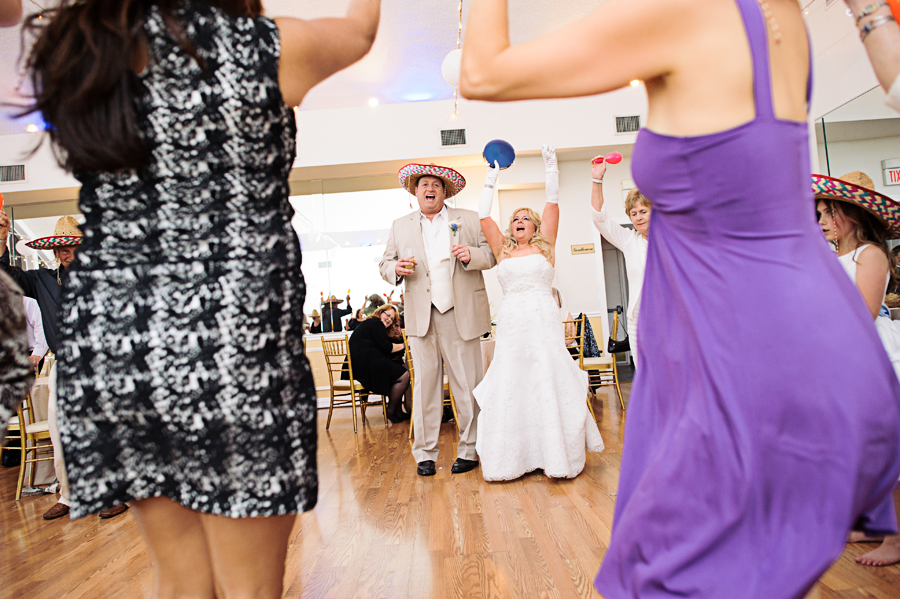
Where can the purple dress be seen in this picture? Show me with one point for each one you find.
(764, 421)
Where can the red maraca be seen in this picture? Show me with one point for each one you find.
(1, 201)
(611, 158)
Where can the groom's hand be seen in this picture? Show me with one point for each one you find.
(461, 253)
(405, 267)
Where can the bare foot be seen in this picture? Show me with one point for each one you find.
(888, 553)
(857, 536)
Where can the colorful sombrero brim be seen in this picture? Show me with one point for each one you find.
(410, 174)
(883, 207)
(56, 241)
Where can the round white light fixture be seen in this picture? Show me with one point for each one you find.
(373, 102)
(635, 82)
(24, 250)
(32, 128)
(451, 66)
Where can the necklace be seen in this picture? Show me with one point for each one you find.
(770, 19)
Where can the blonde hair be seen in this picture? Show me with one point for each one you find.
(510, 243)
(377, 313)
(634, 196)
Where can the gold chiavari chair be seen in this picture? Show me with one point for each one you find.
(346, 392)
(31, 432)
(602, 371)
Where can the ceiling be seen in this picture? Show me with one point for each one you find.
(403, 66)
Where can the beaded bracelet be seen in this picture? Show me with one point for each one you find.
(874, 24)
(869, 10)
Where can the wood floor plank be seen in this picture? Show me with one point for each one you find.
(381, 531)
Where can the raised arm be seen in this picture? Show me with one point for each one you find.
(598, 170)
(10, 12)
(550, 216)
(640, 34)
(312, 51)
(490, 229)
(882, 43)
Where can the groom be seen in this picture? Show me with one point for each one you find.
(440, 253)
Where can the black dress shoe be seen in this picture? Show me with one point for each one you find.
(426, 468)
(461, 465)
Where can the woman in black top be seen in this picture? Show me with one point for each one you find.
(354, 322)
(370, 350)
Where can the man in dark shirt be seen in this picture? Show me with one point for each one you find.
(46, 285)
(332, 314)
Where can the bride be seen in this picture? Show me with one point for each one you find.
(534, 413)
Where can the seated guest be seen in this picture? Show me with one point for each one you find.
(354, 322)
(37, 343)
(316, 327)
(370, 350)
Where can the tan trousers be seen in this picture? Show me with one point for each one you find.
(53, 423)
(442, 346)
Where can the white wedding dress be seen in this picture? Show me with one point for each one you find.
(533, 397)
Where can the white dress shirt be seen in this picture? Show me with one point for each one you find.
(436, 238)
(37, 343)
(634, 246)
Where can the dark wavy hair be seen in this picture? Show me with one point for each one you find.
(868, 228)
(82, 70)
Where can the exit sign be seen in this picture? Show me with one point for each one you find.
(891, 171)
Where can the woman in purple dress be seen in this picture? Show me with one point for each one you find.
(754, 440)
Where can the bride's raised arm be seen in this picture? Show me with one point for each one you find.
(550, 216)
(490, 229)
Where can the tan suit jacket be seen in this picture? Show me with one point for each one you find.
(473, 314)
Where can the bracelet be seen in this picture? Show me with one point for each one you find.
(597, 180)
(874, 24)
(869, 10)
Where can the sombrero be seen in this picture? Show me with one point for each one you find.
(410, 174)
(856, 188)
(66, 234)
(315, 314)
(333, 300)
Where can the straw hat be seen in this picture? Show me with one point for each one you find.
(66, 234)
(410, 174)
(857, 188)
(334, 300)
(315, 314)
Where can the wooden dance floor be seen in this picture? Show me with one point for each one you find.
(380, 530)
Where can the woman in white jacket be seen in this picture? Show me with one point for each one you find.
(632, 243)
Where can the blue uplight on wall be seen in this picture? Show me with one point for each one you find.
(418, 96)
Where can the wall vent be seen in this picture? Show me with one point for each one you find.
(453, 137)
(12, 173)
(628, 124)
(325, 264)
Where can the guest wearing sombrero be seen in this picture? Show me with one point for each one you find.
(858, 221)
(332, 314)
(315, 327)
(45, 285)
(440, 252)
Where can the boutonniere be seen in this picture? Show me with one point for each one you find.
(454, 227)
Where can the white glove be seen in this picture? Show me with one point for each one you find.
(487, 194)
(552, 170)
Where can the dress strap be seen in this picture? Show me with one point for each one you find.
(757, 36)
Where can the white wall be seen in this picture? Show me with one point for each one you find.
(863, 155)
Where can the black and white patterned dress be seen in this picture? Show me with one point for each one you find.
(181, 366)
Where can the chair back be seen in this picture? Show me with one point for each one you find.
(25, 414)
(409, 360)
(337, 357)
(574, 330)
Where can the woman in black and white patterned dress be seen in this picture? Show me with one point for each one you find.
(183, 384)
